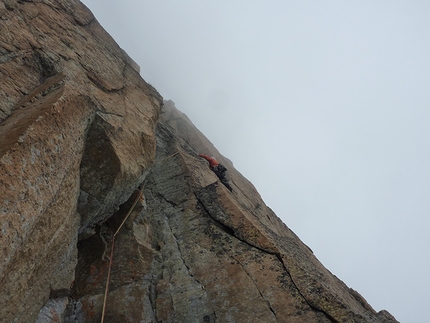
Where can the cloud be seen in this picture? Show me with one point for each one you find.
(324, 106)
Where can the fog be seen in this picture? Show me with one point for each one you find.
(323, 106)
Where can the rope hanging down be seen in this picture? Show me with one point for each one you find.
(139, 196)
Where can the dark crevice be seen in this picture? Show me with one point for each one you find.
(100, 166)
(94, 256)
(225, 228)
(332, 319)
(115, 221)
(45, 65)
(231, 232)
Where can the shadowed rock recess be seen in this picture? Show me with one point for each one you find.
(81, 132)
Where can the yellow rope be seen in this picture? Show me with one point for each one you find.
(111, 252)
(113, 242)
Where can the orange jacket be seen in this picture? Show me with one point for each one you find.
(212, 161)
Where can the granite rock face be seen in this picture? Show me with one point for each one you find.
(82, 136)
(77, 136)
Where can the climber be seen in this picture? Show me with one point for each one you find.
(218, 169)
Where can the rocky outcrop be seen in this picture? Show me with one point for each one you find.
(77, 137)
(83, 135)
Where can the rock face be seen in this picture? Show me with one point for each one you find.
(82, 136)
(77, 137)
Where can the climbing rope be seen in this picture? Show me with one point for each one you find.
(159, 161)
(139, 197)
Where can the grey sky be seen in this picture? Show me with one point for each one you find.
(323, 106)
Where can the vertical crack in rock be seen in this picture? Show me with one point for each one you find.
(188, 297)
(80, 131)
(228, 229)
(258, 289)
(231, 232)
(279, 257)
(153, 297)
(180, 253)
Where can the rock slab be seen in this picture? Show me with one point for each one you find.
(82, 136)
